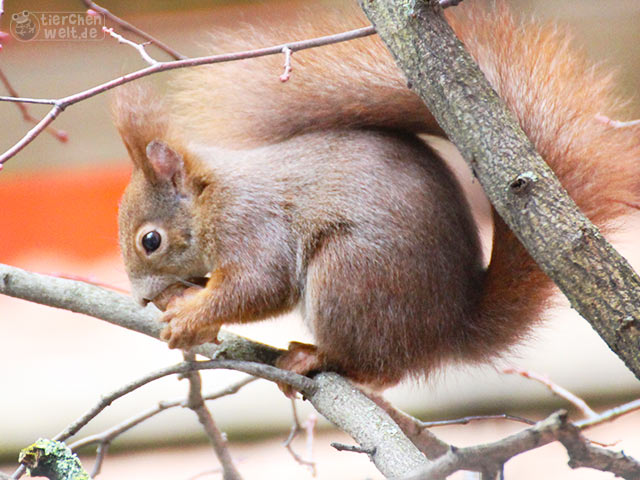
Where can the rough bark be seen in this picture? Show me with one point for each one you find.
(598, 281)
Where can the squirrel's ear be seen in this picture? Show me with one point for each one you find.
(140, 116)
(166, 164)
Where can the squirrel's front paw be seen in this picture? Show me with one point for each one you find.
(188, 325)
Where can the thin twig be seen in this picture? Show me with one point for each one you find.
(110, 434)
(562, 392)
(101, 454)
(31, 134)
(310, 427)
(139, 47)
(424, 440)
(583, 454)
(491, 456)
(253, 368)
(62, 103)
(196, 403)
(104, 439)
(474, 418)
(287, 64)
(296, 428)
(20, 471)
(616, 123)
(335, 398)
(341, 447)
(61, 135)
(38, 101)
(608, 415)
(133, 29)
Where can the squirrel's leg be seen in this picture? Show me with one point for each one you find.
(301, 358)
(352, 312)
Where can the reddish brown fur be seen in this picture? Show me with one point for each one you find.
(365, 228)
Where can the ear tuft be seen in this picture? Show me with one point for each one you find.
(140, 116)
(166, 163)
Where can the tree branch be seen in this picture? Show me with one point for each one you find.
(556, 389)
(195, 402)
(62, 103)
(572, 252)
(491, 457)
(133, 29)
(61, 135)
(332, 396)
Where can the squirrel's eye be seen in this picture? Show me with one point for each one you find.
(151, 241)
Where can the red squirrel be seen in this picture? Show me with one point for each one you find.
(318, 194)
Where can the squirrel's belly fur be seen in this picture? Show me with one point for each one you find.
(386, 254)
(318, 192)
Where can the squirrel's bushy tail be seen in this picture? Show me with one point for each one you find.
(351, 84)
(558, 96)
(554, 91)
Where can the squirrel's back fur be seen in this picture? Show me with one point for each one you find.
(554, 91)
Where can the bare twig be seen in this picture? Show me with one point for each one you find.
(428, 443)
(61, 135)
(196, 403)
(341, 447)
(37, 101)
(133, 29)
(31, 134)
(62, 103)
(231, 389)
(113, 432)
(310, 427)
(296, 428)
(265, 371)
(608, 415)
(105, 438)
(20, 471)
(474, 418)
(335, 398)
(139, 47)
(491, 456)
(583, 454)
(101, 454)
(562, 392)
(616, 123)
(287, 64)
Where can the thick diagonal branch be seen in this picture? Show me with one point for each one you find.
(597, 280)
